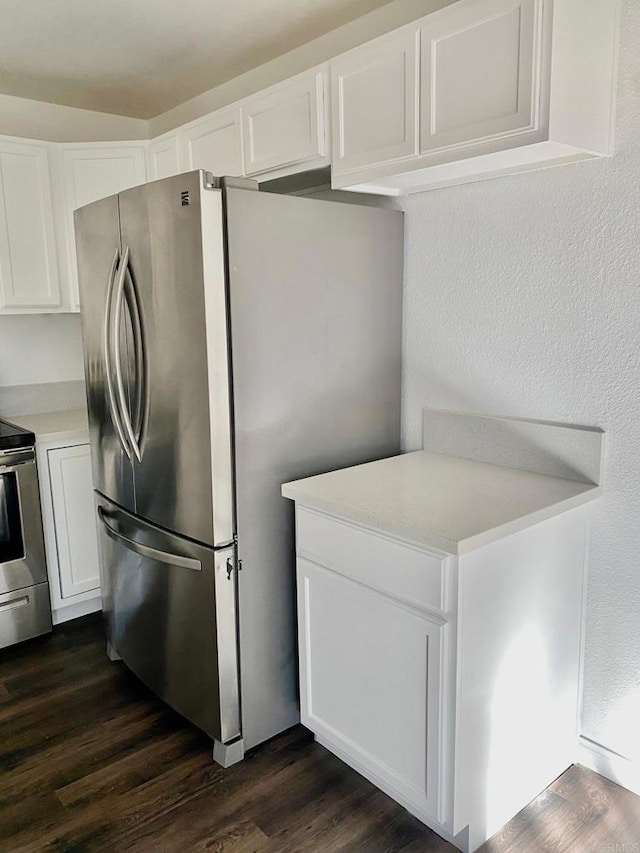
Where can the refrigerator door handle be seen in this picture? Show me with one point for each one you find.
(115, 342)
(146, 550)
(113, 407)
(141, 410)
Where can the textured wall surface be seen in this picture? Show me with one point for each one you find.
(523, 298)
(40, 348)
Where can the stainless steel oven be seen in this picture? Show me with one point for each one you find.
(25, 609)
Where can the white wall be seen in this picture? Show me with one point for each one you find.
(40, 348)
(523, 298)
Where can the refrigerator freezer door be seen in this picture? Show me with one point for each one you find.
(99, 264)
(170, 607)
(183, 476)
(316, 306)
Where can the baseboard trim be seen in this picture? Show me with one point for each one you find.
(75, 610)
(623, 771)
(461, 841)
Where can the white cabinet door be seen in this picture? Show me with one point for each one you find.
(374, 103)
(90, 173)
(162, 157)
(28, 262)
(285, 125)
(214, 144)
(480, 72)
(370, 682)
(74, 520)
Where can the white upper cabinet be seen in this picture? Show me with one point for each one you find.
(374, 103)
(285, 125)
(480, 65)
(476, 89)
(214, 144)
(92, 172)
(162, 157)
(29, 279)
(505, 86)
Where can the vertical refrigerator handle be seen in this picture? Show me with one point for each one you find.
(107, 341)
(115, 340)
(141, 411)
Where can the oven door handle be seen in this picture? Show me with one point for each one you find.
(21, 601)
(146, 550)
(16, 461)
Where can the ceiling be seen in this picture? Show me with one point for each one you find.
(142, 57)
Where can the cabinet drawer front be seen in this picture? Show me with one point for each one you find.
(385, 564)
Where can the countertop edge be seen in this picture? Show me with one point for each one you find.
(433, 541)
(516, 525)
(77, 436)
(338, 511)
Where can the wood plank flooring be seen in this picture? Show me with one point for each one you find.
(91, 761)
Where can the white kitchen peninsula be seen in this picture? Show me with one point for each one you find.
(440, 606)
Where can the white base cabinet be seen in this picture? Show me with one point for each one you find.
(365, 680)
(71, 540)
(451, 682)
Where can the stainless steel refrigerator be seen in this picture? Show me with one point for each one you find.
(234, 340)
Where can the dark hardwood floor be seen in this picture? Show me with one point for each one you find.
(91, 761)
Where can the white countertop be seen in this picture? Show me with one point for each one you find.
(56, 426)
(445, 502)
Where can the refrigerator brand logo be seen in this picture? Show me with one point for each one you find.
(186, 197)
